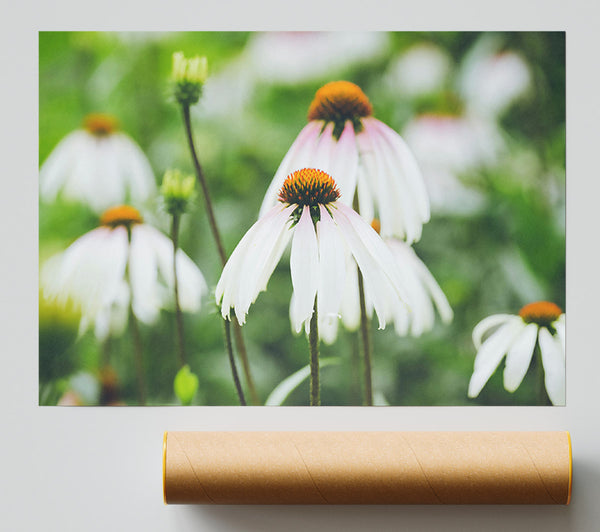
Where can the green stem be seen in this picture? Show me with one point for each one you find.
(313, 342)
(364, 330)
(178, 314)
(366, 343)
(239, 340)
(236, 379)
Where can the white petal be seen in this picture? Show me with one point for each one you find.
(58, 166)
(304, 267)
(344, 163)
(553, 359)
(146, 295)
(234, 273)
(491, 352)
(399, 215)
(410, 168)
(262, 255)
(299, 154)
(374, 259)
(519, 357)
(489, 323)
(559, 325)
(192, 285)
(332, 268)
(350, 306)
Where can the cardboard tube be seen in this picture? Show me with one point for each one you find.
(367, 467)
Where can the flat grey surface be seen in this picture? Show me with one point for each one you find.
(94, 469)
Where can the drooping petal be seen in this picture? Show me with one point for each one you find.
(146, 296)
(399, 215)
(519, 357)
(350, 306)
(332, 268)
(58, 166)
(376, 175)
(262, 255)
(298, 156)
(191, 283)
(491, 353)
(410, 168)
(486, 324)
(304, 267)
(136, 171)
(233, 277)
(343, 165)
(374, 259)
(553, 359)
(559, 325)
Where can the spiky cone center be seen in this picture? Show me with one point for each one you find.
(100, 125)
(122, 215)
(543, 313)
(309, 187)
(339, 100)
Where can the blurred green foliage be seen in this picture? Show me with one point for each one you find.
(489, 262)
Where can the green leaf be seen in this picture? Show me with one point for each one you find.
(289, 384)
(185, 385)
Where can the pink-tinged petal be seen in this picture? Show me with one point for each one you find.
(491, 353)
(399, 216)
(486, 324)
(365, 195)
(304, 267)
(384, 202)
(374, 259)
(519, 357)
(410, 168)
(332, 268)
(300, 155)
(344, 164)
(553, 359)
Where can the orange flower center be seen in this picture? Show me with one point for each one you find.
(543, 313)
(308, 187)
(376, 224)
(121, 215)
(100, 124)
(339, 101)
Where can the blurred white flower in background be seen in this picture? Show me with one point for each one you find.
(448, 146)
(121, 263)
(422, 69)
(490, 80)
(293, 57)
(99, 166)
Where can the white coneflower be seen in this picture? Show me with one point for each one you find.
(491, 79)
(323, 231)
(364, 156)
(99, 166)
(541, 322)
(448, 146)
(121, 263)
(424, 294)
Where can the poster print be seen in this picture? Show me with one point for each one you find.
(302, 218)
